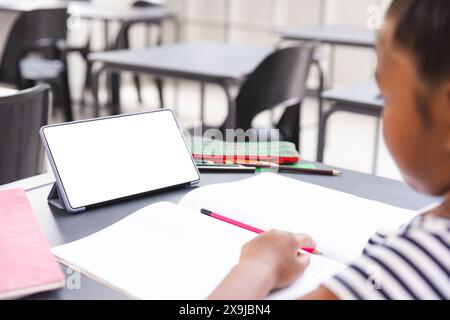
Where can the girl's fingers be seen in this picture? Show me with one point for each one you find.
(303, 240)
(303, 262)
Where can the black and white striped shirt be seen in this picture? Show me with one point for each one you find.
(413, 263)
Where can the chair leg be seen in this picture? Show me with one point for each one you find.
(160, 86)
(66, 99)
(122, 42)
(137, 85)
(87, 81)
(320, 88)
(115, 92)
(290, 123)
(322, 133)
(296, 124)
(95, 90)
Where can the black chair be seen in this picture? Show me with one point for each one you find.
(35, 53)
(279, 80)
(21, 116)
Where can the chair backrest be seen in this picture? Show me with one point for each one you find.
(21, 117)
(279, 80)
(29, 27)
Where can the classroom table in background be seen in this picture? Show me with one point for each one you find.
(361, 98)
(333, 35)
(223, 64)
(126, 17)
(92, 11)
(60, 227)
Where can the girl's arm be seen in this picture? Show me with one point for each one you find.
(246, 281)
(268, 262)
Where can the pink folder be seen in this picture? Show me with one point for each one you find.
(27, 265)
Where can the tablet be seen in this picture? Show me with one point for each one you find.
(106, 159)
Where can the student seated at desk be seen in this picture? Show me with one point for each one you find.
(413, 263)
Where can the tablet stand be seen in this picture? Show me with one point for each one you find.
(54, 199)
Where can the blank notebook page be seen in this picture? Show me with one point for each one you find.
(167, 252)
(340, 223)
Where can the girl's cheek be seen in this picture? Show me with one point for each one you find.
(399, 139)
(392, 134)
(387, 132)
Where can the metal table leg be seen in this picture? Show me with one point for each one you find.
(357, 109)
(95, 90)
(115, 92)
(320, 87)
(322, 133)
(376, 147)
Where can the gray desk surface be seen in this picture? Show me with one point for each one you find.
(226, 65)
(335, 35)
(196, 61)
(367, 94)
(209, 62)
(60, 227)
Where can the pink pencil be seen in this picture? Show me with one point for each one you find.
(245, 226)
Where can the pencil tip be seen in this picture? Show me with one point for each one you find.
(337, 173)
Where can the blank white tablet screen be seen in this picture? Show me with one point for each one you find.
(111, 158)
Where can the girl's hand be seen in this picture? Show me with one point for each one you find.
(277, 251)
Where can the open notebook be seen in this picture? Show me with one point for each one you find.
(172, 251)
